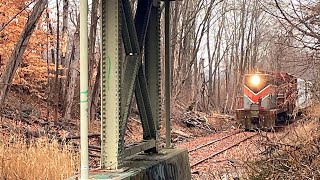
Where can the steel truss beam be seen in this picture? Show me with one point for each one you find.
(153, 65)
(139, 36)
(110, 84)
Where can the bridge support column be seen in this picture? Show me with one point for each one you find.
(167, 164)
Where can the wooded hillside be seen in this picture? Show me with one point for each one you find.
(213, 44)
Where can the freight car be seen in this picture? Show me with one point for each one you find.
(269, 98)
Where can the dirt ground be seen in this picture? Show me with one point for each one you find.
(24, 116)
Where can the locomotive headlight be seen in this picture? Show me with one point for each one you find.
(255, 80)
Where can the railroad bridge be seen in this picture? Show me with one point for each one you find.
(130, 64)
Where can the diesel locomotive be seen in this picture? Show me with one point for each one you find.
(271, 97)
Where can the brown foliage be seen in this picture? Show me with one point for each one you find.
(33, 70)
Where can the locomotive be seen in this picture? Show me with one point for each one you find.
(271, 97)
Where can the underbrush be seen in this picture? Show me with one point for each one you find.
(39, 159)
(294, 154)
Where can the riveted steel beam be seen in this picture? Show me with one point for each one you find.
(110, 84)
(143, 101)
(120, 79)
(142, 19)
(130, 28)
(132, 66)
(153, 65)
(167, 73)
(125, 34)
(142, 111)
(139, 147)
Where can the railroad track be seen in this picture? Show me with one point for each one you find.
(213, 141)
(208, 150)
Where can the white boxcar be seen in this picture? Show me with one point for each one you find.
(304, 93)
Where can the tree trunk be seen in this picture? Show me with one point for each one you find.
(210, 60)
(74, 58)
(95, 94)
(64, 47)
(70, 93)
(50, 44)
(174, 32)
(64, 43)
(56, 69)
(92, 45)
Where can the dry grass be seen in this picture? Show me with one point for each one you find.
(293, 155)
(36, 160)
(314, 110)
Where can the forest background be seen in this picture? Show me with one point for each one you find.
(213, 44)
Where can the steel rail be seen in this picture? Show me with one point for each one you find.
(221, 151)
(213, 141)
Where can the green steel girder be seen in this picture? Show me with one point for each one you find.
(144, 106)
(127, 41)
(142, 19)
(153, 64)
(110, 84)
(167, 74)
(130, 34)
(147, 132)
(120, 79)
(131, 68)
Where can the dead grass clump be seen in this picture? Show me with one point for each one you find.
(313, 110)
(294, 155)
(40, 159)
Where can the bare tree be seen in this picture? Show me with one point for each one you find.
(73, 59)
(94, 83)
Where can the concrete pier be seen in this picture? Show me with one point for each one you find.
(168, 164)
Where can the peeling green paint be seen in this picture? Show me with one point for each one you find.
(109, 71)
(84, 95)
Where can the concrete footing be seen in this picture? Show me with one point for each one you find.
(168, 164)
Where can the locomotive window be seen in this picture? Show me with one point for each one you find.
(257, 82)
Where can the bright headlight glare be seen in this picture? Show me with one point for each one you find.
(255, 80)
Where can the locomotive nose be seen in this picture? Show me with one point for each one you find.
(254, 110)
(255, 120)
